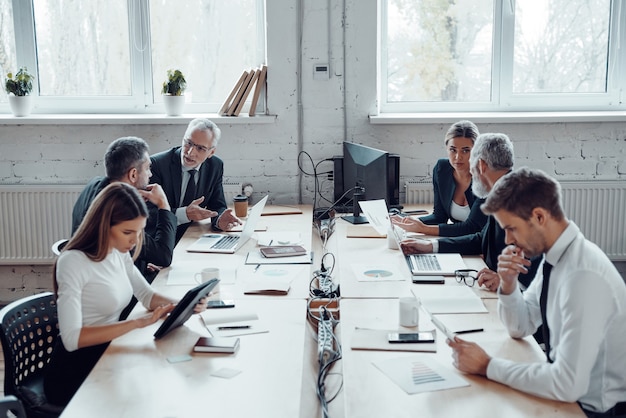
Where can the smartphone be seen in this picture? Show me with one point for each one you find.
(214, 304)
(411, 337)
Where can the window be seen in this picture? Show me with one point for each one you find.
(495, 55)
(113, 56)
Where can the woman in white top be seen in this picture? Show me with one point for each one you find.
(94, 279)
(456, 210)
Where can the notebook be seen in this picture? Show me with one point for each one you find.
(229, 244)
(430, 264)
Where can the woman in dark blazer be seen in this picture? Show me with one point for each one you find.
(452, 185)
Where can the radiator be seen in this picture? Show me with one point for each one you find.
(597, 207)
(230, 191)
(35, 217)
(419, 192)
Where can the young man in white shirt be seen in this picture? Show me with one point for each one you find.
(582, 309)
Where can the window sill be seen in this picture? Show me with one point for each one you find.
(496, 117)
(131, 119)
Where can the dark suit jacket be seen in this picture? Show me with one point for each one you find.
(158, 243)
(167, 171)
(489, 242)
(444, 187)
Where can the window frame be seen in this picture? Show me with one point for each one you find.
(502, 97)
(142, 97)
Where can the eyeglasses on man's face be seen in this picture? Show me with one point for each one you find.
(200, 148)
(467, 276)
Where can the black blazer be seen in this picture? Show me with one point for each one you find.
(167, 171)
(444, 187)
(160, 231)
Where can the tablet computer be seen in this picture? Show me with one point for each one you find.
(184, 309)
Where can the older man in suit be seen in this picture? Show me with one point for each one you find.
(191, 177)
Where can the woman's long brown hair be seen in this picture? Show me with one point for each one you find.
(116, 203)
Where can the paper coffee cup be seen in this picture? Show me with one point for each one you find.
(241, 206)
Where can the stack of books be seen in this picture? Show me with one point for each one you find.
(238, 95)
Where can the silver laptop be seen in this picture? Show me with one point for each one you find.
(229, 244)
(430, 264)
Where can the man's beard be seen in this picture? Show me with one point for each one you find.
(479, 189)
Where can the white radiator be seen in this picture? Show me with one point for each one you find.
(597, 207)
(419, 192)
(35, 217)
(230, 191)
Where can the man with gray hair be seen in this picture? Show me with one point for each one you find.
(191, 176)
(579, 301)
(127, 160)
(491, 158)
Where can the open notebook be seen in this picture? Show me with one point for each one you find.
(229, 244)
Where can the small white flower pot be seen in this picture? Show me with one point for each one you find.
(21, 105)
(173, 104)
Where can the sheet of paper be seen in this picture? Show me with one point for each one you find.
(419, 374)
(450, 299)
(255, 257)
(379, 272)
(214, 318)
(377, 214)
(289, 272)
(377, 339)
(185, 274)
(276, 238)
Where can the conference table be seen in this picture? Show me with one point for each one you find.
(274, 372)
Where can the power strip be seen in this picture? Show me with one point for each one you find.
(325, 283)
(324, 337)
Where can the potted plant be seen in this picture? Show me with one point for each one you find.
(19, 88)
(173, 92)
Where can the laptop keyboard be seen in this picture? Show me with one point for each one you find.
(425, 262)
(228, 241)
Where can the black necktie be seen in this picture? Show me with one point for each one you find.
(543, 299)
(190, 192)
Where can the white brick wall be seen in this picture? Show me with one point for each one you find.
(266, 155)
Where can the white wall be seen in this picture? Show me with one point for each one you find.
(314, 121)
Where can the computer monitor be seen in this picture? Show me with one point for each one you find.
(374, 173)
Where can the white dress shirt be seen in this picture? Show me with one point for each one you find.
(95, 293)
(586, 314)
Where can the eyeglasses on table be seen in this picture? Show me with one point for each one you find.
(467, 276)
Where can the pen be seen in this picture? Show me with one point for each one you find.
(257, 267)
(270, 242)
(224, 328)
(467, 331)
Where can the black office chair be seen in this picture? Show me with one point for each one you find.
(11, 405)
(58, 246)
(28, 331)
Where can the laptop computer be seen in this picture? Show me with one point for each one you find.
(229, 243)
(436, 264)
(184, 309)
(426, 268)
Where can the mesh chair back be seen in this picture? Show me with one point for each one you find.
(28, 331)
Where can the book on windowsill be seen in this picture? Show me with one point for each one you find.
(283, 251)
(216, 345)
